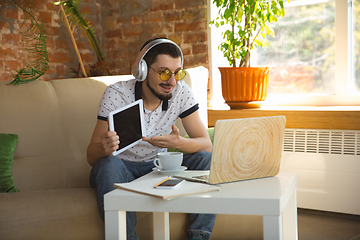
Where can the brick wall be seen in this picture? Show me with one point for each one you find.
(121, 27)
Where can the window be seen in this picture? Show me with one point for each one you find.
(315, 55)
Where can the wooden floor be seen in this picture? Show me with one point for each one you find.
(316, 225)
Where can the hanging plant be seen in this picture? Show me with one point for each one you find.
(34, 40)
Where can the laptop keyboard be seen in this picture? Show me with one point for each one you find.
(203, 177)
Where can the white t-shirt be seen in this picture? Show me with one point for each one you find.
(157, 123)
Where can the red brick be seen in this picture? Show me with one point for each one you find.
(200, 59)
(199, 49)
(4, 52)
(52, 68)
(88, 58)
(86, 10)
(161, 5)
(60, 70)
(154, 17)
(176, 38)
(13, 65)
(39, 3)
(132, 30)
(50, 6)
(112, 43)
(195, 37)
(4, 25)
(11, 38)
(110, 23)
(61, 44)
(60, 57)
(6, 76)
(153, 28)
(173, 16)
(125, 39)
(169, 27)
(51, 31)
(50, 43)
(118, 54)
(24, 27)
(189, 3)
(136, 20)
(7, 13)
(196, 14)
(108, 4)
(45, 17)
(113, 33)
(188, 27)
(186, 50)
(5, 3)
(120, 20)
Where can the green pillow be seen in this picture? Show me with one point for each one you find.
(7, 148)
(211, 135)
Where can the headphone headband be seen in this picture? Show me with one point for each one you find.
(139, 68)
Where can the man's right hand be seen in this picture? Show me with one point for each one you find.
(103, 142)
(110, 141)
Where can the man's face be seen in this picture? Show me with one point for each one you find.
(163, 89)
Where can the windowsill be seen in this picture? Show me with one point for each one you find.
(308, 117)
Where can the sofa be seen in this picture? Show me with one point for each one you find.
(54, 121)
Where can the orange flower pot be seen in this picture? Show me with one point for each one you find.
(244, 87)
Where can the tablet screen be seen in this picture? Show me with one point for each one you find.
(127, 123)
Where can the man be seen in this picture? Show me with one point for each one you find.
(158, 72)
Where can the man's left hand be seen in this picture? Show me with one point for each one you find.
(172, 140)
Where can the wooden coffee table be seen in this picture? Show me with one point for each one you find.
(274, 198)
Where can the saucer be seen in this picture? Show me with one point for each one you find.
(169, 172)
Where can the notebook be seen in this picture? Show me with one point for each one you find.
(244, 148)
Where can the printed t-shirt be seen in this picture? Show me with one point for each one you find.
(157, 122)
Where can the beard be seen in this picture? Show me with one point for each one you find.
(162, 97)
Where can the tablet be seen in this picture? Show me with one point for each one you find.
(128, 123)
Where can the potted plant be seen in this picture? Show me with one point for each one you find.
(248, 20)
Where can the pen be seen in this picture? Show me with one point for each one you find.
(162, 182)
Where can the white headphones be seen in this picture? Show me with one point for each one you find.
(139, 68)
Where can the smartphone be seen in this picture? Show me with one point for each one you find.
(170, 183)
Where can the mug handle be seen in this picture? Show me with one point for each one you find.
(157, 163)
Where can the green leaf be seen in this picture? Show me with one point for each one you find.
(34, 40)
(227, 13)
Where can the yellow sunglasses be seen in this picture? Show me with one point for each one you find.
(166, 74)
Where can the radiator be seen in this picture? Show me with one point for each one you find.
(327, 163)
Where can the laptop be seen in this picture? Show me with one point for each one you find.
(243, 149)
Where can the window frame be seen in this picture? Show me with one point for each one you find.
(345, 95)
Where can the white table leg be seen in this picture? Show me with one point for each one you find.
(115, 225)
(272, 227)
(290, 219)
(161, 225)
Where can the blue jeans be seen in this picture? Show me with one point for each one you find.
(110, 170)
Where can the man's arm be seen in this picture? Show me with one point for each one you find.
(103, 142)
(199, 138)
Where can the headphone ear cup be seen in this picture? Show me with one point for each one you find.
(143, 69)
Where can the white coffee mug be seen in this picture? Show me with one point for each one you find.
(168, 161)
